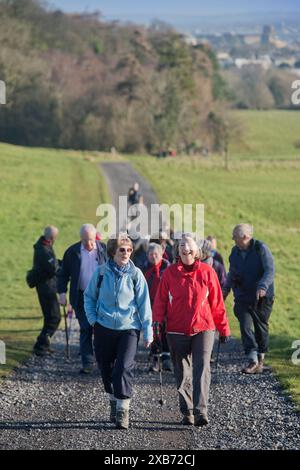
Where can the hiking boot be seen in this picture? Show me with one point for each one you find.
(252, 368)
(260, 367)
(155, 365)
(122, 419)
(41, 351)
(201, 419)
(188, 420)
(86, 370)
(166, 364)
(113, 411)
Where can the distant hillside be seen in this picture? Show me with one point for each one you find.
(74, 81)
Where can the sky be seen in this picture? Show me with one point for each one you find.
(156, 8)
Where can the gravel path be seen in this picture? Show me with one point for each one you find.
(46, 404)
(120, 177)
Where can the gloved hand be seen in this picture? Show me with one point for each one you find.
(224, 339)
(62, 299)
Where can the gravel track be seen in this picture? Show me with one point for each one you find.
(46, 404)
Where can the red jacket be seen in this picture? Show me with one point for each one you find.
(190, 302)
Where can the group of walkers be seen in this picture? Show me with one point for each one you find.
(171, 291)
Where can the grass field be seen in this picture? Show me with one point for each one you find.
(38, 187)
(265, 194)
(267, 135)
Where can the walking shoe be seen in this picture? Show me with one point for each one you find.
(252, 368)
(41, 351)
(260, 367)
(166, 364)
(113, 411)
(201, 419)
(122, 419)
(86, 370)
(154, 366)
(188, 420)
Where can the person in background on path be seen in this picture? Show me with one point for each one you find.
(46, 266)
(161, 238)
(117, 305)
(153, 272)
(139, 256)
(189, 299)
(79, 263)
(251, 278)
(216, 255)
(135, 195)
(208, 258)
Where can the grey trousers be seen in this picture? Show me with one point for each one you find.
(191, 359)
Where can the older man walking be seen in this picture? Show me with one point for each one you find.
(45, 265)
(251, 277)
(79, 263)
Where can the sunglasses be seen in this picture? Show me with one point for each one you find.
(125, 250)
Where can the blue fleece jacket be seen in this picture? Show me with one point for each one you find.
(121, 303)
(251, 272)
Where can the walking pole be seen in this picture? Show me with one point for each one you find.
(70, 317)
(161, 401)
(67, 333)
(217, 358)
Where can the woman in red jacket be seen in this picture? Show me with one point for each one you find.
(189, 299)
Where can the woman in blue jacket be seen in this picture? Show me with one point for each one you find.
(117, 305)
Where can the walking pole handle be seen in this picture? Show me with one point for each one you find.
(67, 334)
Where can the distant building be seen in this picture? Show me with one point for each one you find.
(225, 59)
(251, 39)
(264, 62)
(190, 40)
(268, 35)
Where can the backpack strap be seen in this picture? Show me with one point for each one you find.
(258, 249)
(100, 279)
(257, 246)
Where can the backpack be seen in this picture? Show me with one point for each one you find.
(100, 279)
(32, 278)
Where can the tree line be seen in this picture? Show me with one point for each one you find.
(76, 81)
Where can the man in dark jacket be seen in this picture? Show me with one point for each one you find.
(153, 272)
(134, 195)
(46, 265)
(79, 263)
(251, 277)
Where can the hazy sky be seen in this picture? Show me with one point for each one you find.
(176, 7)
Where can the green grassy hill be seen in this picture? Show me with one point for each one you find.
(37, 187)
(267, 135)
(265, 194)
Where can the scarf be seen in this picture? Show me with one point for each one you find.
(118, 271)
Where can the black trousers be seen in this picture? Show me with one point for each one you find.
(51, 313)
(254, 324)
(115, 352)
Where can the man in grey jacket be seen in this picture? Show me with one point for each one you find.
(251, 277)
